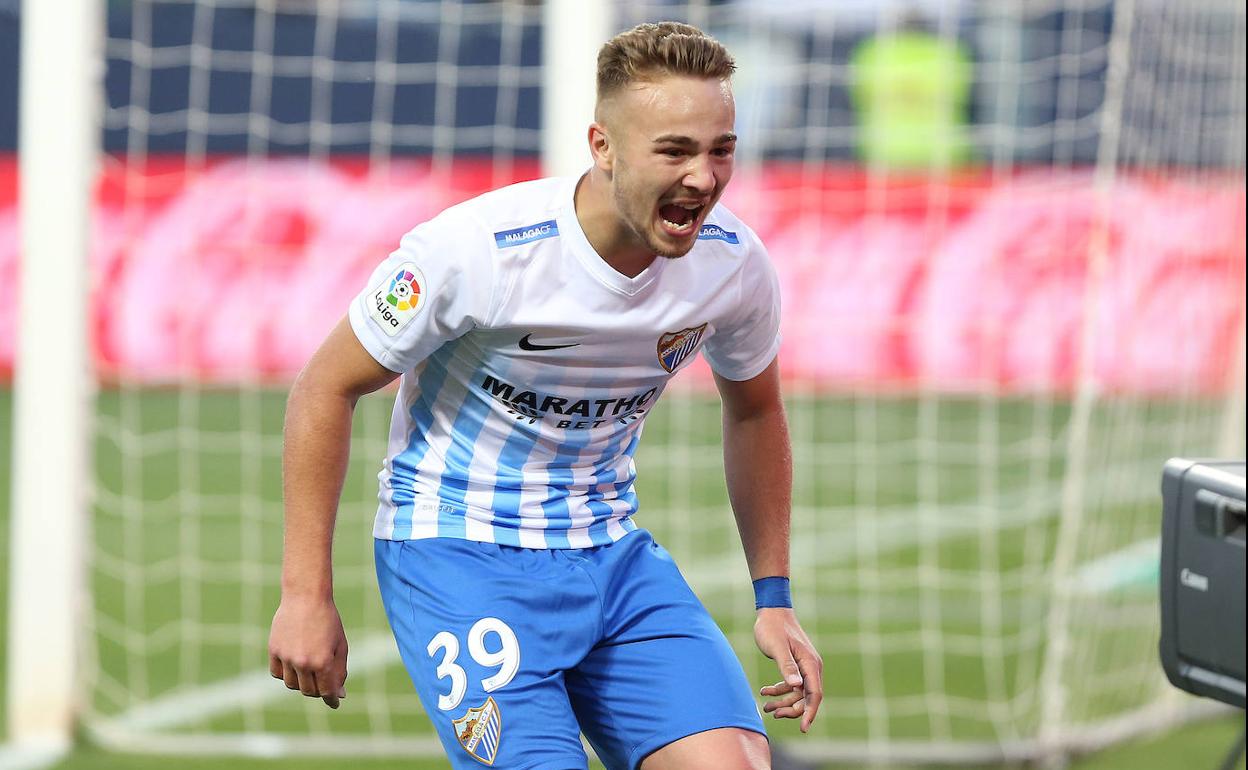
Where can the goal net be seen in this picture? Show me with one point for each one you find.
(1010, 237)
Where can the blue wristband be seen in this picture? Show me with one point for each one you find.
(772, 592)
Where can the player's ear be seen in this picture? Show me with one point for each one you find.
(601, 147)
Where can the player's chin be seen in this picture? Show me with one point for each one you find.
(670, 252)
(670, 241)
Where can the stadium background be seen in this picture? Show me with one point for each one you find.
(936, 320)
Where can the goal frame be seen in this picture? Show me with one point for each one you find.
(61, 74)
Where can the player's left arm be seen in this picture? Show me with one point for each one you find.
(758, 468)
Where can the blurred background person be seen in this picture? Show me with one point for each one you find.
(911, 90)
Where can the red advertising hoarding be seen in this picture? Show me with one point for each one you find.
(234, 269)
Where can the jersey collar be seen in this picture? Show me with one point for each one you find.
(574, 236)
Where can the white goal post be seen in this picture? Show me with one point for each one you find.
(61, 75)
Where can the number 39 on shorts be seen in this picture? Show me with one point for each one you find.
(506, 657)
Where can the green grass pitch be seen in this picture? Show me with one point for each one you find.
(185, 569)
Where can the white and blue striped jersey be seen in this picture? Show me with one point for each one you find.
(529, 364)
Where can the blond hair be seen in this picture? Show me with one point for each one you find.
(648, 51)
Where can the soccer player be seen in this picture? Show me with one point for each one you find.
(534, 328)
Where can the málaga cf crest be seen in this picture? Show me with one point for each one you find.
(479, 731)
(675, 347)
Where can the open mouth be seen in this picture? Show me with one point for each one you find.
(680, 219)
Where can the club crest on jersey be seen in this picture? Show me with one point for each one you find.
(675, 347)
(397, 298)
(480, 730)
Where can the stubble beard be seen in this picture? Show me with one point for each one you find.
(642, 225)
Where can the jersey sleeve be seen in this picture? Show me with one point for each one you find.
(435, 287)
(746, 341)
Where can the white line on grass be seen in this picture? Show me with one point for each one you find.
(953, 520)
(33, 757)
(1135, 566)
(379, 651)
(372, 652)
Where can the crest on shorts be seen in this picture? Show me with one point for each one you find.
(675, 347)
(480, 730)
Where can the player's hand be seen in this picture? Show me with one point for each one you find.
(799, 693)
(308, 649)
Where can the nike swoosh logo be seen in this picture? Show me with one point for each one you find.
(526, 345)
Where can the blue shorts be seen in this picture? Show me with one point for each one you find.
(516, 651)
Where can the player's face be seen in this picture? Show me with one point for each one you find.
(673, 156)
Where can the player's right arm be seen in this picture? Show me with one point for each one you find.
(435, 287)
(307, 644)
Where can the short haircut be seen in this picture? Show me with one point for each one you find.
(648, 51)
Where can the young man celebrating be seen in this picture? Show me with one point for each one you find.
(534, 327)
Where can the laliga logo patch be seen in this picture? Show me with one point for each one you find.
(480, 730)
(404, 291)
(675, 347)
(397, 299)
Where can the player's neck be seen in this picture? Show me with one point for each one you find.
(605, 231)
